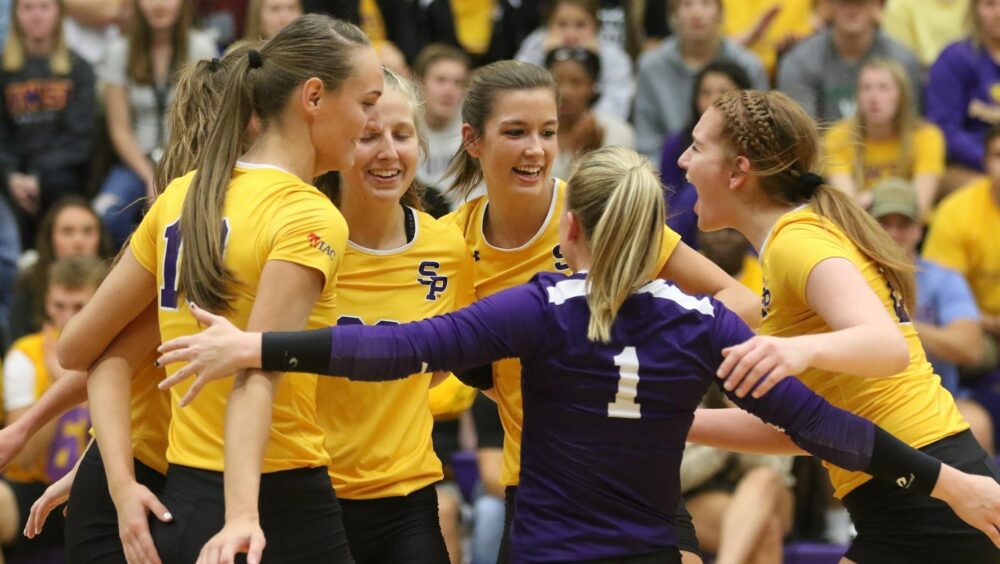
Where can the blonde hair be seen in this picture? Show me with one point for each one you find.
(311, 46)
(904, 123)
(330, 182)
(60, 62)
(782, 144)
(487, 84)
(255, 28)
(616, 195)
(140, 44)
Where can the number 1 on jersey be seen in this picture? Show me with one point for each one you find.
(171, 260)
(624, 405)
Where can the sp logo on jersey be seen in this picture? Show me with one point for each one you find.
(436, 284)
(319, 244)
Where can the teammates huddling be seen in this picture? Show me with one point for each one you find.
(301, 188)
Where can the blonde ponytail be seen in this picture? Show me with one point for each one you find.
(618, 199)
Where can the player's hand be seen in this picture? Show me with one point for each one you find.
(217, 352)
(975, 499)
(761, 362)
(242, 535)
(54, 495)
(132, 503)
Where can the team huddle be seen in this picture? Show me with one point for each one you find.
(258, 361)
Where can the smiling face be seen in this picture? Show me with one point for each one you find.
(518, 143)
(387, 156)
(710, 165)
(343, 113)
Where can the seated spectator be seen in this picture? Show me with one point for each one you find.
(574, 23)
(10, 250)
(732, 252)
(393, 59)
(768, 27)
(926, 27)
(885, 138)
(91, 25)
(712, 81)
(963, 236)
(582, 126)
(443, 72)
(667, 72)
(71, 228)
(488, 506)
(741, 504)
(821, 72)
(448, 401)
(946, 318)
(963, 94)
(48, 118)
(138, 76)
(265, 18)
(30, 368)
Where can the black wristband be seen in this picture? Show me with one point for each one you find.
(904, 465)
(480, 377)
(297, 351)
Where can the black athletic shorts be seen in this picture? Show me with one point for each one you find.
(299, 514)
(395, 529)
(687, 541)
(91, 519)
(897, 525)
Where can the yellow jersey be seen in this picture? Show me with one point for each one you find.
(450, 398)
(881, 157)
(965, 236)
(26, 378)
(378, 434)
(794, 20)
(150, 416)
(926, 27)
(912, 405)
(750, 275)
(495, 269)
(270, 214)
(474, 24)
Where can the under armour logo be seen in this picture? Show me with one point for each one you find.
(293, 362)
(905, 482)
(475, 255)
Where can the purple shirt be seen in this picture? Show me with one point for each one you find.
(604, 424)
(961, 99)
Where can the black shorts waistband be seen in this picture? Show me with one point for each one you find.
(284, 488)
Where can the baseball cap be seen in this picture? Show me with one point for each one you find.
(895, 195)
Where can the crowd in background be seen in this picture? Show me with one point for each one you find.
(907, 92)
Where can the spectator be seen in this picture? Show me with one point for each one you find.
(582, 126)
(946, 317)
(4, 20)
(821, 72)
(734, 255)
(10, 250)
(963, 236)
(667, 72)
(962, 94)
(768, 27)
(30, 369)
(574, 23)
(48, 118)
(223, 20)
(443, 72)
(137, 75)
(885, 138)
(265, 18)
(712, 81)
(91, 25)
(488, 506)
(448, 401)
(70, 228)
(926, 27)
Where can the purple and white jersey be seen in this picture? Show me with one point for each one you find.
(604, 424)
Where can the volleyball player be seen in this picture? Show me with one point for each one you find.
(835, 312)
(614, 367)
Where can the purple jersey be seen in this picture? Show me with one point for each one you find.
(604, 424)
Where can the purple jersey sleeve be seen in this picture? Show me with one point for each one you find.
(507, 324)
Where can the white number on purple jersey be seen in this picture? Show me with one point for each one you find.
(624, 405)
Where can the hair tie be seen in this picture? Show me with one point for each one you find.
(255, 59)
(213, 65)
(808, 183)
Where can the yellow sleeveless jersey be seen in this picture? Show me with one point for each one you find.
(378, 434)
(71, 436)
(269, 214)
(911, 405)
(496, 269)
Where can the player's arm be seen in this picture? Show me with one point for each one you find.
(67, 392)
(695, 274)
(736, 430)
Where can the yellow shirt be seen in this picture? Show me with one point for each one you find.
(150, 417)
(881, 157)
(751, 276)
(965, 236)
(473, 24)
(371, 22)
(911, 405)
(450, 398)
(926, 26)
(71, 435)
(496, 269)
(269, 215)
(378, 434)
(794, 19)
